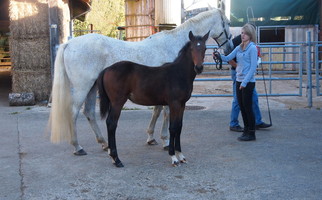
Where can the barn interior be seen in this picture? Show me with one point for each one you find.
(5, 64)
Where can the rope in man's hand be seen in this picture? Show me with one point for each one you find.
(217, 59)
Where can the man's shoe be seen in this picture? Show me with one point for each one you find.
(246, 137)
(236, 128)
(263, 125)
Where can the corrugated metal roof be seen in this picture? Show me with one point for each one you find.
(274, 12)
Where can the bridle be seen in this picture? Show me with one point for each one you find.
(228, 37)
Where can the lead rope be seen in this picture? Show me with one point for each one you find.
(268, 109)
(217, 59)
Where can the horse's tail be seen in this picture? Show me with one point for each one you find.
(104, 100)
(60, 120)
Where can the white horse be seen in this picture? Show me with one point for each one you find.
(80, 60)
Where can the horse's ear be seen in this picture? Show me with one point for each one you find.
(205, 37)
(191, 36)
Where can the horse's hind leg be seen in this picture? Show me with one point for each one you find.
(78, 98)
(111, 124)
(79, 151)
(89, 112)
(150, 131)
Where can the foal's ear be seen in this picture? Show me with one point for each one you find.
(191, 36)
(205, 37)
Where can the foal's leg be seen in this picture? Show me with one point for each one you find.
(89, 112)
(176, 116)
(150, 131)
(111, 124)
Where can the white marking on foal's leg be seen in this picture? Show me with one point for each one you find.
(181, 157)
(175, 162)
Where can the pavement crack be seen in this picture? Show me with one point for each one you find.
(21, 155)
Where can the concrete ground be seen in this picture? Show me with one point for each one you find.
(284, 162)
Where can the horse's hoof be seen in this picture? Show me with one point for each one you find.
(118, 164)
(166, 148)
(183, 161)
(80, 153)
(152, 142)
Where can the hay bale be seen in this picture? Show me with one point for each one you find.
(28, 19)
(21, 99)
(30, 45)
(30, 54)
(38, 82)
(30, 48)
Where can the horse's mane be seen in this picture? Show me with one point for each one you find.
(194, 20)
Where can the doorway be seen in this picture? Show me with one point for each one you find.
(5, 61)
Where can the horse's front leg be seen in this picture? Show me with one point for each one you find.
(111, 124)
(89, 112)
(176, 116)
(150, 130)
(165, 126)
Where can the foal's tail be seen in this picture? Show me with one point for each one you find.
(60, 120)
(104, 100)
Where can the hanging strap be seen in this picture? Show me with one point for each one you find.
(268, 109)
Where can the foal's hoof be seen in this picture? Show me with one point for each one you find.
(118, 164)
(80, 153)
(175, 164)
(183, 161)
(152, 142)
(166, 148)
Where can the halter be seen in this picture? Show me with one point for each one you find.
(228, 37)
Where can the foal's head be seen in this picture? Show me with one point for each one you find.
(198, 49)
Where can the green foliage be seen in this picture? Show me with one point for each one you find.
(106, 16)
(4, 45)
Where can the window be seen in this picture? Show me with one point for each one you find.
(273, 34)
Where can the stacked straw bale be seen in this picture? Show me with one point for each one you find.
(30, 47)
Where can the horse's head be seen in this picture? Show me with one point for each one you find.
(220, 32)
(198, 49)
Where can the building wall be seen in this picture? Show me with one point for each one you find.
(139, 19)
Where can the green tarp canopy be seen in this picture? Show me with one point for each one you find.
(275, 12)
